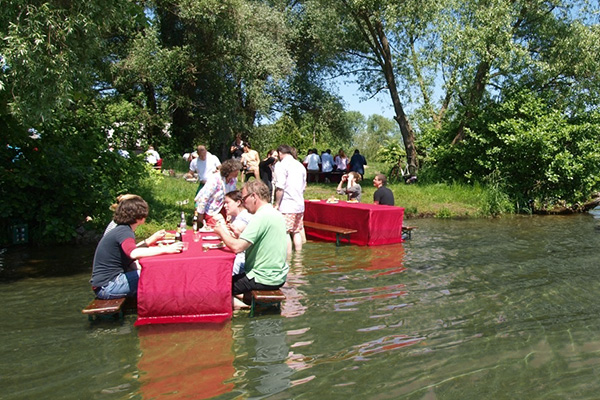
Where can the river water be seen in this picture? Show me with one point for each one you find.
(468, 309)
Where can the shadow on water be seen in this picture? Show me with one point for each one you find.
(20, 262)
(470, 309)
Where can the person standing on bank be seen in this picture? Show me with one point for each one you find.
(263, 241)
(111, 274)
(237, 147)
(290, 183)
(266, 168)
(210, 199)
(205, 165)
(383, 195)
(358, 162)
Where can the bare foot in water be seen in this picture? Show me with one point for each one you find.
(239, 305)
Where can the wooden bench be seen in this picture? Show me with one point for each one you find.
(339, 231)
(99, 307)
(271, 297)
(407, 231)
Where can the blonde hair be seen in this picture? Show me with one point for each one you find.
(122, 197)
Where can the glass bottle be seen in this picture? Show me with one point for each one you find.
(195, 222)
(183, 224)
(178, 235)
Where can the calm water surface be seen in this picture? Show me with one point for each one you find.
(474, 309)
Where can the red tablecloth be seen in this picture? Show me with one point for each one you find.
(376, 224)
(193, 286)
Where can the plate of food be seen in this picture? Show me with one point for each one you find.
(352, 201)
(206, 229)
(211, 237)
(165, 242)
(314, 200)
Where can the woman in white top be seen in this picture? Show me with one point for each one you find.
(341, 161)
(237, 220)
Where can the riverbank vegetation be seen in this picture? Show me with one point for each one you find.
(497, 101)
(169, 195)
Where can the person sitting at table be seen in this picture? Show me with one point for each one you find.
(264, 241)
(210, 199)
(341, 161)
(352, 188)
(112, 224)
(238, 218)
(383, 195)
(117, 250)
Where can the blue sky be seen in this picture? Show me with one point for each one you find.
(381, 104)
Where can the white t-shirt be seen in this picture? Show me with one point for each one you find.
(152, 156)
(312, 162)
(290, 175)
(205, 168)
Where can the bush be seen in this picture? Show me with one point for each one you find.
(538, 154)
(63, 177)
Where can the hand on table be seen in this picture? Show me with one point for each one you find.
(155, 237)
(176, 247)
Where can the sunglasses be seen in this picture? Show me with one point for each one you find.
(246, 196)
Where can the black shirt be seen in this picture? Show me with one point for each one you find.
(384, 196)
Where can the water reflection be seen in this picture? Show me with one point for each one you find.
(468, 309)
(292, 306)
(186, 361)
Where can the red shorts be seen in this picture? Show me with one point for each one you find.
(294, 222)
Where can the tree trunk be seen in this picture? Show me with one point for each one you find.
(385, 56)
(475, 96)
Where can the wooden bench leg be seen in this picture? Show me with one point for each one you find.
(337, 240)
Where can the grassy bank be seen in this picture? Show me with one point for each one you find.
(168, 196)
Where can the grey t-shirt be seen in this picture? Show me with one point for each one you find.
(110, 260)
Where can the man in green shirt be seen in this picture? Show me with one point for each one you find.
(264, 240)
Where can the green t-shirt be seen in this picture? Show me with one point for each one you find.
(266, 257)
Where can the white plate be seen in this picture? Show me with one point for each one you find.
(207, 229)
(165, 242)
(211, 237)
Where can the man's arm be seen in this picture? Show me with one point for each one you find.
(235, 244)
(141, 252)
(278, 197)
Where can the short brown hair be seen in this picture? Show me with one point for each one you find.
(259, 188)
(120, 198)
(129, 211)
(356, 176)
(382, 178)
(230, 166)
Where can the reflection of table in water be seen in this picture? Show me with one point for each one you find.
(193, 286)
(376, 224)
(186, 361)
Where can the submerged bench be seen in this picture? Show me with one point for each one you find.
(99, 307)
(407, 231)
(271, 297)
(339, 231)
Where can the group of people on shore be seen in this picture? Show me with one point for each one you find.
(252, 221)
